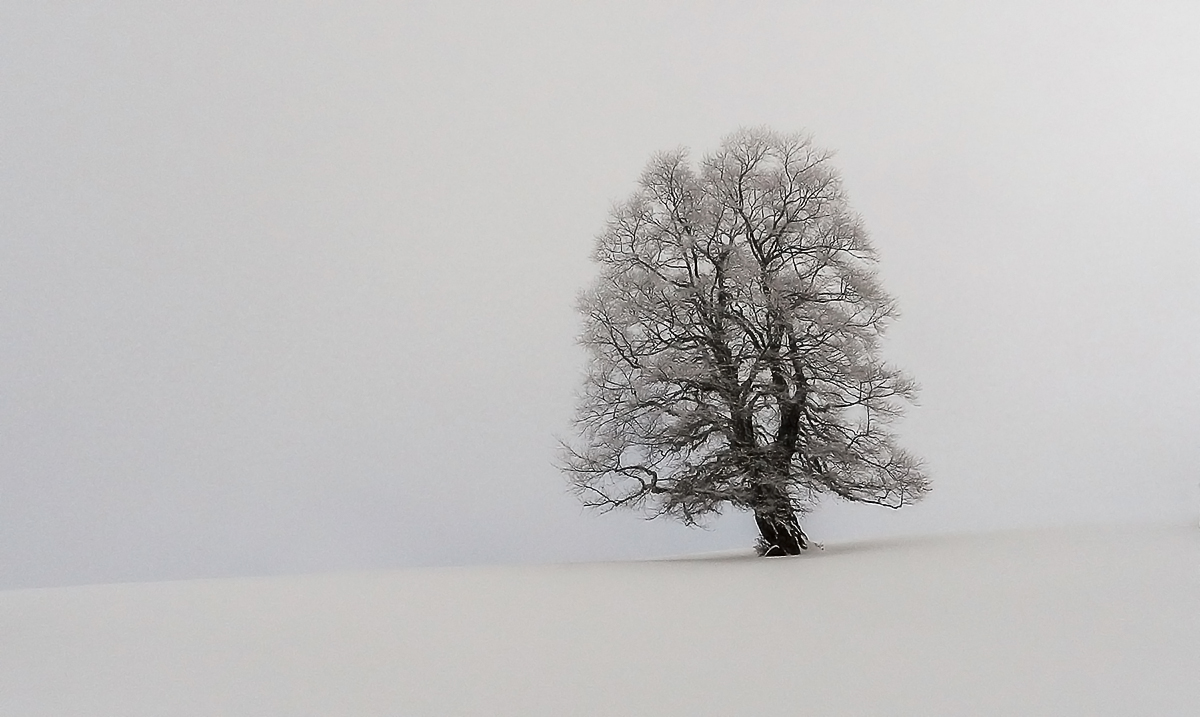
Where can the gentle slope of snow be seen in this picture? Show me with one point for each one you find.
(1079, 622)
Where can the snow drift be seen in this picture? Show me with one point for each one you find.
(1072, 622)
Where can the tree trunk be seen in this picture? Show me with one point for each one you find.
(779, 532)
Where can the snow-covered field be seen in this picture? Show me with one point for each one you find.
(1095, 621)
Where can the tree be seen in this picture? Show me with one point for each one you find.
(733, 346)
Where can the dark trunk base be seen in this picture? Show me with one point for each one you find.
(779, 533)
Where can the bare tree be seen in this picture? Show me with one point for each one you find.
(733, 338)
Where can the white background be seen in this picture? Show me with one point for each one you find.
(288, 286)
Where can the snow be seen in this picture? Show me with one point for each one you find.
(1086, 621)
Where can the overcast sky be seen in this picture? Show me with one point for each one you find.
(289, 286)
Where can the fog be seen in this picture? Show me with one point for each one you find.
(288, 287)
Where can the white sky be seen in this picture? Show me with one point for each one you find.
(288, 287)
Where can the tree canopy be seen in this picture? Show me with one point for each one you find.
(733, 339)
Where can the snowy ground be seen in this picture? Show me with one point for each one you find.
(1079, 622)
